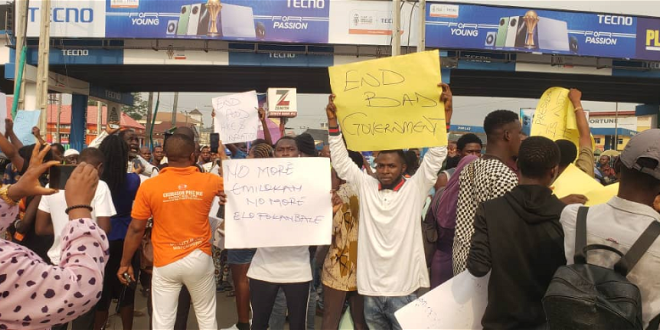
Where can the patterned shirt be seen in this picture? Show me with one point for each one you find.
(480, 181)
(36, 295)
(339, 268)
(11, 175)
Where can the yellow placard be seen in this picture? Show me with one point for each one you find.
(555, 116)
(602, 195)
(555, 119)
(390, 103)
(574, 181)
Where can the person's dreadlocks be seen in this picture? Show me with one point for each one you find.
(115, 167)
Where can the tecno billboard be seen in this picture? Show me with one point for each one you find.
(492, 28)
(448, 25)
(289, 21)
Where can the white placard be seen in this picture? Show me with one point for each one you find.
(277, 202)
(459, 303)
(237, 117)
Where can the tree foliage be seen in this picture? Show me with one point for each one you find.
(139, 108)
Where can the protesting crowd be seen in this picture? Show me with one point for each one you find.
(413, 219)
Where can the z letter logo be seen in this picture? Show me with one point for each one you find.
(282, 101)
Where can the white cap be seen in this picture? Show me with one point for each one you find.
(71, 152)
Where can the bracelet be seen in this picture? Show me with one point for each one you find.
(579, 108)
(68, 209)
(4, 197)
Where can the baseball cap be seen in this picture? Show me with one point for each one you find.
(643, 145)
(71, 152)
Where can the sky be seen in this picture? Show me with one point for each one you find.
(468, 111)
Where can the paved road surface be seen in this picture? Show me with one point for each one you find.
(226, 314)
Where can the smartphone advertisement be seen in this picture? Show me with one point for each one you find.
(251, 20)
(531, 30)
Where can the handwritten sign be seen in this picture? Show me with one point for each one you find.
(278, 202)
(554, 117)
(390, 103)
(23, 123)
(459, 303)
(236, 117)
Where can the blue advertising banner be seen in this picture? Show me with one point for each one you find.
(110, 95)
(455, 26)
(648, 33)
(280, 55)
(80, 55)
(252, 20)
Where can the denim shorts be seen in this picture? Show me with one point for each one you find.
(240, 256)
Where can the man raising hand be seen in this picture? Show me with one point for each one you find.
(391, 263)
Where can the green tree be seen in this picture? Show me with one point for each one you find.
(139, 108)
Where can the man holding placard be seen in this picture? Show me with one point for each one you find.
(391, 263)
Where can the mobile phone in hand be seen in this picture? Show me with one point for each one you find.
(215, 142)
(59, 175)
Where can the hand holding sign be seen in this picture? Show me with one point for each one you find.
(23, 124)
(389, 104)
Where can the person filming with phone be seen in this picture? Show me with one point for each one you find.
(52, 216)
(37, 295)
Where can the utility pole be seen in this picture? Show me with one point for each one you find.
(616, 127)
(396, 27)
(99, 117)
(421, 41)
(21, 29)
(42, 68)
(150, 106)
(59, 114)
(176, 104)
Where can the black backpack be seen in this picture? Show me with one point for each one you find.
(588, 297)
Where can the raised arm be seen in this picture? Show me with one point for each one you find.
(11, 152)
(11, 135)
(428, 171)
(341, 162)
(586, 152)
(108, 131)
(582, 125)
(264, 123)
(37, 134)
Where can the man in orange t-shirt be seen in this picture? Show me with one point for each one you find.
(179, 199)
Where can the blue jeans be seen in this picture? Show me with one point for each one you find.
(379, 311)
